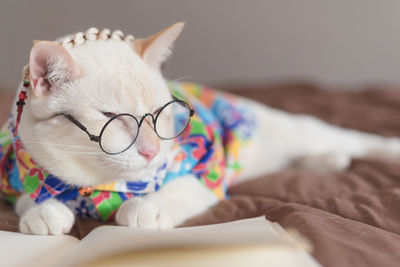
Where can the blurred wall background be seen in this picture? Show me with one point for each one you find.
(350, 42)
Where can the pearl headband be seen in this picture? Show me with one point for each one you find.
(94, 34)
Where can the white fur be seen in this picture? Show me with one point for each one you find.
(304, 141)
(49, 218)
(324, 163)
(115, 78)
(175, 202)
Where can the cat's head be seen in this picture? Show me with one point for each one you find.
(98, 76)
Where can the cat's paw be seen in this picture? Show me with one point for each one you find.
(142, 213)
(49, 218)
(324, 163)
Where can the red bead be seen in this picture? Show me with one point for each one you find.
(26, 83)
(22, 95)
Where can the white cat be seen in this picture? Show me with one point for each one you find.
(96, 75)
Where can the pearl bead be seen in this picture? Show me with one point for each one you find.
(117, 35)
(79, 38)
(129, 38)
(104, 34)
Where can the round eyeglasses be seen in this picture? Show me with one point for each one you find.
(121, 130)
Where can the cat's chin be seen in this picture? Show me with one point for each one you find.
(125, 175)
(131, 176)
(135, 173)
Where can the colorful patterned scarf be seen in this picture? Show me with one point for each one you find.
(209, 148)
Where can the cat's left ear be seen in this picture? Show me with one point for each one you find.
(49, 64)
(156, 49)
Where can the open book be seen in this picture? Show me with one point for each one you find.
(250, 242)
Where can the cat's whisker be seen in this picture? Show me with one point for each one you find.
(66, 150)
(52, 143)
(109, 166)
(72, 153)
(68, 155)
(61, 145)
(180, 79)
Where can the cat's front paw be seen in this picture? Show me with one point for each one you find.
(49, 218)
(142, 213)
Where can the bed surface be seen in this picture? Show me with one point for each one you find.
(352, 218)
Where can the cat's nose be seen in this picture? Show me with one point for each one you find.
(148, 143)
(149, 154)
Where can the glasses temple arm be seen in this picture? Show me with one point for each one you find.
(191, 110)
(83, 128)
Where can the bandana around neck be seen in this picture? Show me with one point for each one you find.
(209, 149)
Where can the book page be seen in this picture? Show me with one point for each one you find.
(107, 241)
(18, 249)
(249, 256)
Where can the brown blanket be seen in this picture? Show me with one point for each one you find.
(352, 218)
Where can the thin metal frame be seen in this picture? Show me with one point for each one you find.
(97, 138)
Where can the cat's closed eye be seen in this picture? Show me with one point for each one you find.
(108, 114)
(156, 111)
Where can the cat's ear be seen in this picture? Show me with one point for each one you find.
(155, 49)
(49, 64)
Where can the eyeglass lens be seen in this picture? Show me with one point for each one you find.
(121, 131)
